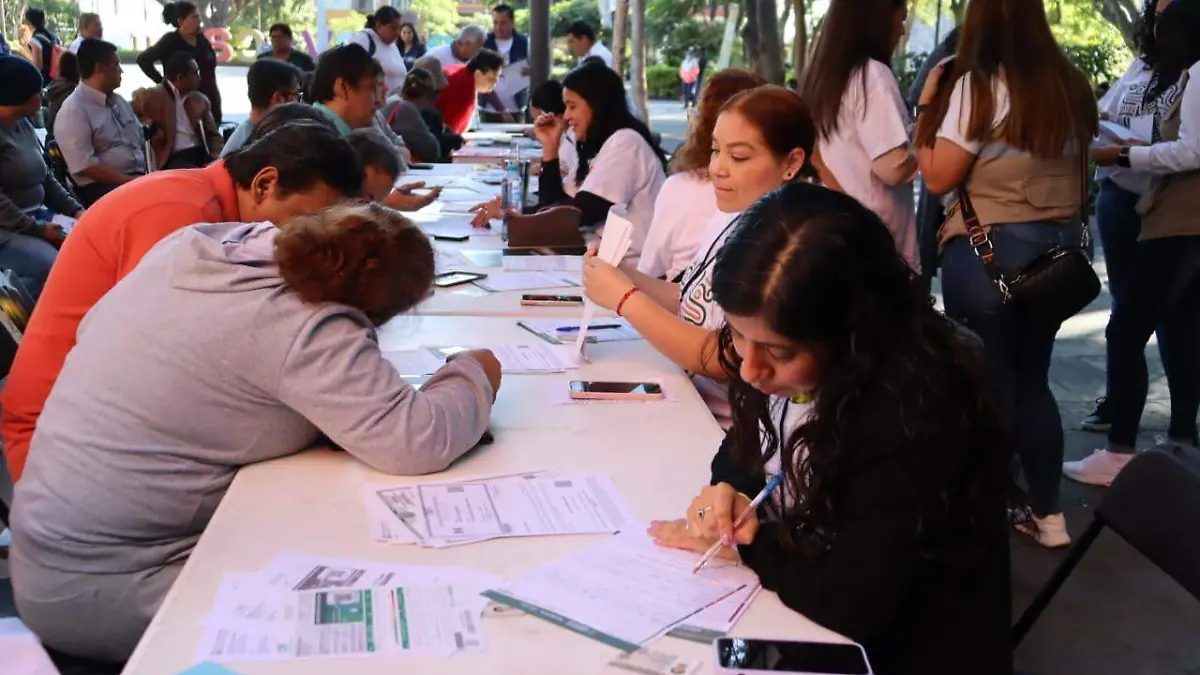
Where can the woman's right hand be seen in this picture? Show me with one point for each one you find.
(486, 211)
(54, 234)
(549, 129)
(491, 366)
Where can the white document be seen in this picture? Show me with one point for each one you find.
(625, 589)
(527, 505)
(546, 263)
(67, 223)
(719, 619)
(535, 358)
(1113, 131)
(485, 259)
(21, 651)
(523, 281)
(618, 237)
(445, 261)
(414, 362)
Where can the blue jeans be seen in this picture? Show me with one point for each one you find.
(1017, 348)
(1163, 292)
(30, 258)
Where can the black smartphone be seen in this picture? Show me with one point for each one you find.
(766, 657)
(539, 300)
(451, 237)
(447, 279)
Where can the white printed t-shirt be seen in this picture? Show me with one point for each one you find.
(628, 173)
(388, 56)
(873, 121)
(684, 206)
(698, 307)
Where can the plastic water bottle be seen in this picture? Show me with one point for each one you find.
(511, 190)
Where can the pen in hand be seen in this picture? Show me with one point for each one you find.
(770, 487)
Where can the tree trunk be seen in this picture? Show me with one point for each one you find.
(618, 45)
(957, 8)
(637, 62)
(770, 64)
(800, 44)
(1123, 14)
(750, 33)
(787, 13)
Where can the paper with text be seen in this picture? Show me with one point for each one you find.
(524, 281)
(618, 237)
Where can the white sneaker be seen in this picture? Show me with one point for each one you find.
(1098, 468)
(1049, 532)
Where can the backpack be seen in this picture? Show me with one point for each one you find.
(370, 43)
(55, 54)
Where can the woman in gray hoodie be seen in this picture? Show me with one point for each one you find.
(229, 344)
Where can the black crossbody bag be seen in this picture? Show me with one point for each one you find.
(1053, 287)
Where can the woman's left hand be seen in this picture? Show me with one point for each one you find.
(933, 82)
(604, 284)
(675, 534)
(1106, 155)
(486, 212)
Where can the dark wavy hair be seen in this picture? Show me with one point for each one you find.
(822, 270)
(604, 93)
(1177, 48)
(364, 256)
(1144, 43)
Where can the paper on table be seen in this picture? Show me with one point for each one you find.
(449, 260)
(535, 358)
(523, 281)
(599, 330)
(413, 362)
(548, 263)
(485, 258)
(623, 591)
(717, 620)
(525, 506)
(618, 237)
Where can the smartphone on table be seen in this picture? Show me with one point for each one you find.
(448, 279)
(452, 237)
(745, 656)
(539, 300)
(630, 391)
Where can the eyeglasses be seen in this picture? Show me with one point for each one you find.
(294, 95)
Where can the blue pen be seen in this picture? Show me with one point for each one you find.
(599, 326)
(770, 487)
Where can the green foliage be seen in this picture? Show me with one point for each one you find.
(672, 44)
(906, 68)
(62, 17)
(1100, 62)
(564, 14)
(662, 81)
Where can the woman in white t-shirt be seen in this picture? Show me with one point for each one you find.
(1010, 130)
(762, 140)
(687, 200)
(861, 117)
(381, 40)
(618, 162)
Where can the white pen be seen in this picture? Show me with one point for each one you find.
(770, 487)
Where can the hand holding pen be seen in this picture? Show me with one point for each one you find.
(722, 513)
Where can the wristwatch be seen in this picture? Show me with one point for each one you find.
(1123, 157)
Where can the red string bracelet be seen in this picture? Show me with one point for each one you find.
(628, 294)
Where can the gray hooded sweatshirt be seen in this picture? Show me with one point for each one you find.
(197, 363)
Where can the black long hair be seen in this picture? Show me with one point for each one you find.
(1176, 44)
(416, 36)
(1144, 43)
(822, 270)
(605, 95)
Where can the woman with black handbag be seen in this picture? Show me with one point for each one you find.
(1162, 288)
(1009, 132)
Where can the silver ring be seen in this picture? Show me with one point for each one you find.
(701, 512)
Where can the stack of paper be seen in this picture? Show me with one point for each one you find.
(514, 359)
(525, 281)
(306, 607)
(545, 263)
(437, 515)
(624, 591)
(618, 237)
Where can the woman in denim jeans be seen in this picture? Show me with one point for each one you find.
(1009, 127)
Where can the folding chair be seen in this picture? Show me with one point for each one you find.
(1153, 505)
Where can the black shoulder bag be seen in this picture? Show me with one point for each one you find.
(1053, 287)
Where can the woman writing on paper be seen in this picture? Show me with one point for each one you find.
(264, 340)
(890, 525)
(761, 141)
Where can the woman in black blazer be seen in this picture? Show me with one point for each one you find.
(890, 527)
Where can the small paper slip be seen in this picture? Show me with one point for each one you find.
(485, 258)
(624, 591)
(547, 263)
(414, 362)
(599, 330)
(618, 237)
(523, 281)
(1116, 132)
(445, 261)
(717, 620)
(65, 222)
(646, 662)
(535, 358)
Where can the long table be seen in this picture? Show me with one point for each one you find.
(657, 454)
